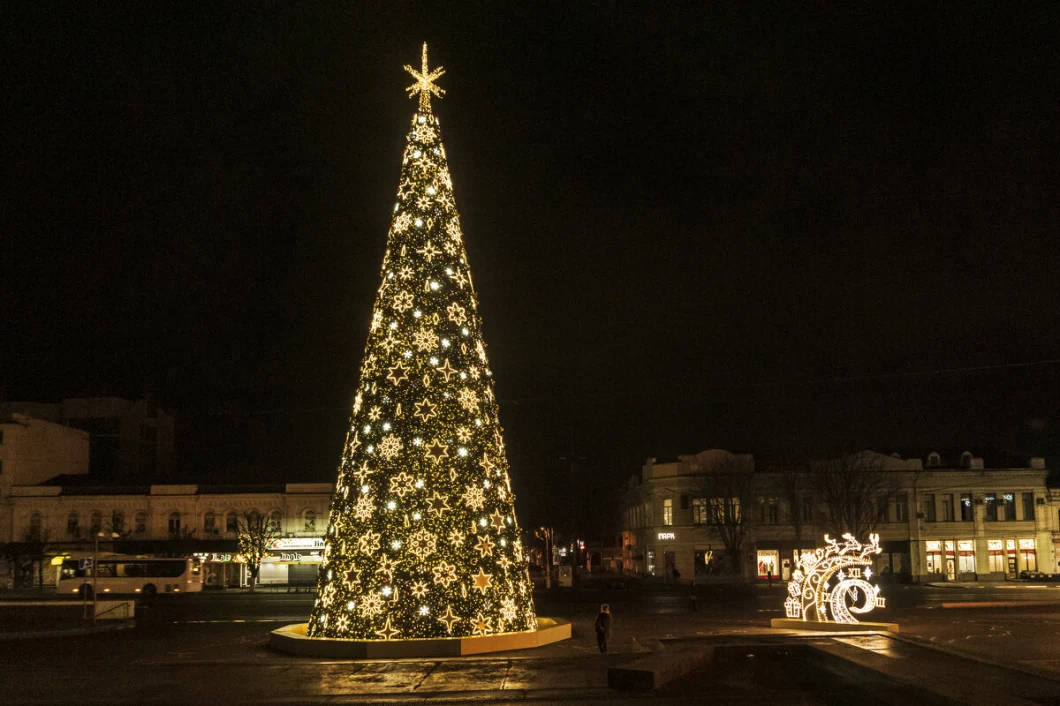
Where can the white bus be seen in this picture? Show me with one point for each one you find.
(146, 576)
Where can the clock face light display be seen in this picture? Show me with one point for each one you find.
(832, 583)
(423, 540)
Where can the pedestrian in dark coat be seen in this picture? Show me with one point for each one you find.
(603, 627)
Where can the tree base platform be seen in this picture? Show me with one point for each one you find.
(820, 626)
(292, 639)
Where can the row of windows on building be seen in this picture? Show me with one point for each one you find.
(945, 507)
(211, 523)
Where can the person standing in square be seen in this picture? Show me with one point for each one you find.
(603, 627)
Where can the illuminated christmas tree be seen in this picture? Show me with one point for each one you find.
(422, 539)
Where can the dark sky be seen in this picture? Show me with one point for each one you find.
(765, 229)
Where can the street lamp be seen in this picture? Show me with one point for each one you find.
(95, 567)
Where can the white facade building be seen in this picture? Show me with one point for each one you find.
(958, 523)
(181, 519)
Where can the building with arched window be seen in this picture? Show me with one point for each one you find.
(172, 520)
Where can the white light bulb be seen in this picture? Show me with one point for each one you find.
(448, 270)
(464, 331)
(417, 313)
(482, 522)
(462, 451)
(417, 441)
(350, 606)
(386, 426)
(418, 222)
(463, 376)
(478, 422)
(370, 448)
(395, 544)
(396, 207)
(417, 154)
(365, 489)
(424, 610)
(390, 275)
(393, 325)
(431, 190)
(407, 354)
(367, 428)
(445, 343)
(416, 516)
(504, 542)
(387, 591)
(486, 484)
(329, 574)
(391, 505)
(419, 482)
(434, 361)
(434, 286)
(422, 120)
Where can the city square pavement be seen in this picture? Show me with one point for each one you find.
(212, 647)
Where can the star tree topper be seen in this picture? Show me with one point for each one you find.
(425, 83)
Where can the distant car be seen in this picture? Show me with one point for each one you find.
(1037, 576)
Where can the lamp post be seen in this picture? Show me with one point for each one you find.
(95, 568)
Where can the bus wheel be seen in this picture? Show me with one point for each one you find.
(149, 590)
(86, 591)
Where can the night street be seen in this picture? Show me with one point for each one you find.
(213, 644)
(577, 352)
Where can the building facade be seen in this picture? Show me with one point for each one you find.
(936, 523)
(127, 438)
(180, 520)
(32, 451)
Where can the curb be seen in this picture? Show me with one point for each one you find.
(999, 604)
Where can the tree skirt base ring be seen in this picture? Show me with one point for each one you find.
(292, 639)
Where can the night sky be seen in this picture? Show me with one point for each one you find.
(771, 230)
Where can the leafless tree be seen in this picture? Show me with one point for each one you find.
(36, 546)
(256, 536)
(727, 484)
(794, 485)
(854, 491)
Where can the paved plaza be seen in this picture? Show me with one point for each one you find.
(212, 647)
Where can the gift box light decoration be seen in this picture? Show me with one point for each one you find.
(832, 583)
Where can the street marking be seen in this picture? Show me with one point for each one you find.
(235, 620)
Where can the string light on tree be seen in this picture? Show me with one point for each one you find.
(420, 544)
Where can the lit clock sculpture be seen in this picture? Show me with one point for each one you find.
(832, 584)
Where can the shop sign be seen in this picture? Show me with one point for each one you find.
(297, 543)
(292, 556)
(211, 556)
(667, 535)
(1026, 544)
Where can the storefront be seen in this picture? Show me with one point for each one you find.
(292, 561)
(223, 570)
(768, 564)
(950, 557)
(1011, 556)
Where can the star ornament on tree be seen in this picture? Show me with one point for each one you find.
(424, 85)
(482, 581)
(449, 618)
(387, 632)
